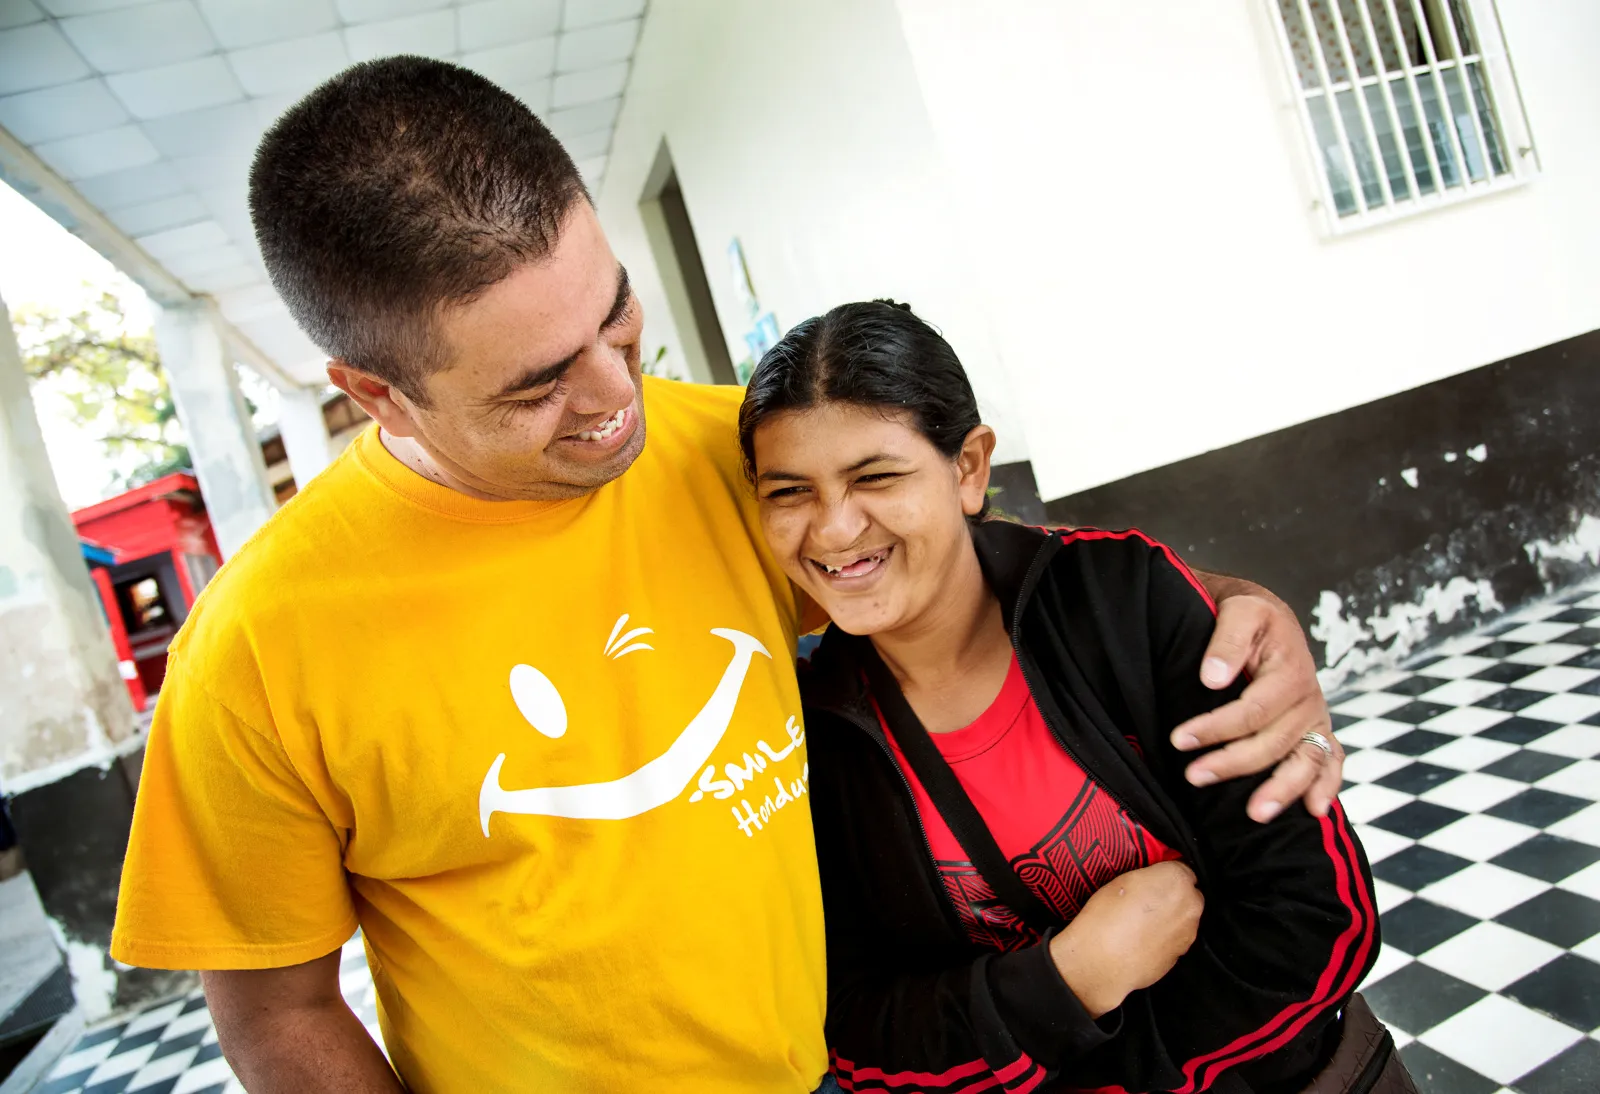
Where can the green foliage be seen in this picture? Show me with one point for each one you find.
(112, 383)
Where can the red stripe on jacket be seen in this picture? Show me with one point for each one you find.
(1020, 1076)
(1067, 535)
(1357, 898)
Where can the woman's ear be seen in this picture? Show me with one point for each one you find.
(972, 464)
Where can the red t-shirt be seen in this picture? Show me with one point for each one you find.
(1064, 835)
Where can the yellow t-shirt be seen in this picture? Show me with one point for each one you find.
(547, 754)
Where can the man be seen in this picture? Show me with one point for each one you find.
(505, 686)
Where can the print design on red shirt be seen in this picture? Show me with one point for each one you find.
(1094, 842)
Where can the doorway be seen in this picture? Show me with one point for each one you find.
(683, 274)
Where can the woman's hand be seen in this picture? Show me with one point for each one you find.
(1258, 634)
(1128, 935)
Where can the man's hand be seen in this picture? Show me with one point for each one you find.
(1257, 633)
(1128, 935)
(289, 1031)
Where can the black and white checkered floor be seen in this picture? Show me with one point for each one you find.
(1474, 777)
(171, 1048)
(1475, 789)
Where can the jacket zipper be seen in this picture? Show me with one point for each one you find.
(1029, 580)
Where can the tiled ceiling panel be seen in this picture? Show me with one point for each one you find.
(152, 109)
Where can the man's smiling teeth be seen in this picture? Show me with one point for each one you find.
(605, 428)
(863, 565)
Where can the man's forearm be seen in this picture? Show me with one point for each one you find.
(309, 1050)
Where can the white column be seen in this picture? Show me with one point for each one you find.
(222, 440)
(305, 433)
(65, 716)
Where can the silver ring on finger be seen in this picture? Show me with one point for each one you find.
(1320, 741)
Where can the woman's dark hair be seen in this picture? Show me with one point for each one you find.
(873, 354)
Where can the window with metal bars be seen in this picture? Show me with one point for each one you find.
(1407, 104)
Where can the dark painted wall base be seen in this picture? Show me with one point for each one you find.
(1014, 493)
(74, 834)
(1423, 511)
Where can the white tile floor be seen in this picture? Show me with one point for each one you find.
(1474, 779)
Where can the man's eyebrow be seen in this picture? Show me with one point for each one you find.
(619, 306)
(537, 378)
(779, 475)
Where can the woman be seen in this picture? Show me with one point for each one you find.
(1012, 863)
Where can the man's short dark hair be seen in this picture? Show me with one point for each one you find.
(398, 188)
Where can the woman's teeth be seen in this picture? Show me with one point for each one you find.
(860, 566)
(605, 428)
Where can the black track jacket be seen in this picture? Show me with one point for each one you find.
(1110, 628)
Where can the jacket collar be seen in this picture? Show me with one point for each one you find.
(1012, 556)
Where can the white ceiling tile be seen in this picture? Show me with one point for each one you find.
(589, 145)
(578, 120)
(535, 95)
(270, 108)
(218, 280)
(502, 22)
(98, 153)
(371, 11)
(592, 170)
(230, 207)
(187, 264)
(240, 23)
(173, 243)
(205, 132)
(596, 46)
(120, 189)
(432, 34)
(64, 8)
(176, 89)
(518, 64)
(153, 216)
(63, 111)
(207, 172)
(37, 56)
(586, 13)
(18, 13)
(280, 338)
(252, 302)
(577, 88)
(295, 66)
(143, 37)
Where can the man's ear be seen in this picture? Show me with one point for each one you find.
(973, 462)
(386, 404)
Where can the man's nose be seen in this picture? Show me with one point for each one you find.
(602, 383)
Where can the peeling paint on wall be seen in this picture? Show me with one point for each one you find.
(94, 981)
(1382, 640)
(1580, 548)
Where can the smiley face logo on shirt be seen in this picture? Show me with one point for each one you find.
(652, 785)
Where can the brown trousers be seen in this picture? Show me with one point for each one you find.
(1366, 1061)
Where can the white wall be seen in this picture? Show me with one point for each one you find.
(1135, 188)
(798, 126)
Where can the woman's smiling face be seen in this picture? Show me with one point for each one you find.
(863, 512)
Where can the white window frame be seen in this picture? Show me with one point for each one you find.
(1505, 102)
